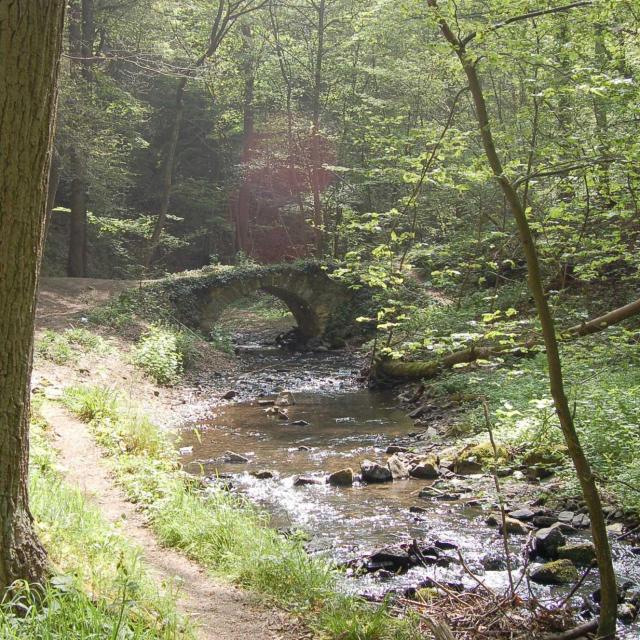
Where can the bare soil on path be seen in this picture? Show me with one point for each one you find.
(218, 610)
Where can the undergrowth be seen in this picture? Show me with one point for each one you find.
(163, 353)
(602, 376)
(67, 346)
(98, 588)
(225, 533)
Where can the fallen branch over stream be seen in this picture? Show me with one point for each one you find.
(396, 371)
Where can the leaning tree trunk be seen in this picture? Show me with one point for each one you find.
(608, 589)
(390, 372)
(30, 42)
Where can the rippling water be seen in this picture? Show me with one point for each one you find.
(345, 426)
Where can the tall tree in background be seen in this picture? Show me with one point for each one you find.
(225, 15)
(320, 9)
(30, 42)
(81, 36)
(243, 203)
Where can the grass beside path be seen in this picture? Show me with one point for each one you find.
(225, 533)
(99, 589)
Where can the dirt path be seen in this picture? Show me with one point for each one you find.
(220, 611)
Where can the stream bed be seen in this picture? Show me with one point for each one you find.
(335, 424)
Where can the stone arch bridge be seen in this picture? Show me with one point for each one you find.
(321, 306)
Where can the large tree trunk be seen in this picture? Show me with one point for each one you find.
(30, 42)
(608, 589)
(167, 173)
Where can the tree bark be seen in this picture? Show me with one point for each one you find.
(609, 604)
(318, 217)
(242, 208)
(81, 34)
(167, 173)
(30, 43)
(77, 256)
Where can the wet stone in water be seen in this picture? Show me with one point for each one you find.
(556, 572)
(394, 448)
(301, 481)
(425, 470)
(342, 478)
(522, 514)
(232, 457)
(374, 472)
(581, 553)
(398, 468)
(263, 475)
(547, 541)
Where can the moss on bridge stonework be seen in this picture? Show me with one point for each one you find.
(321, 306)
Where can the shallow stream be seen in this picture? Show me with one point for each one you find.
(342, 425)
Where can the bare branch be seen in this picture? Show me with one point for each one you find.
(529, 16)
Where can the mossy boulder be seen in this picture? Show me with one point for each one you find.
(556, 572)
(478, 457)
(545, 454)
(581, 553)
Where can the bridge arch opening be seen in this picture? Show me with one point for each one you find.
(262, 320)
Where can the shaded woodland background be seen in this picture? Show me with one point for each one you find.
(205, 132)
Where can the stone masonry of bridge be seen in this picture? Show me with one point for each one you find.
(315, 299)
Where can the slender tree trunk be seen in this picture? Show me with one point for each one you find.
(243, 203)
(81, 35)
(318, 217)
(167, 173)
(285, 71)
(608, 605)
(30, 43)
(77, 256)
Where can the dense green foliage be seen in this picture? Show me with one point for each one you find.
(399, 163)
